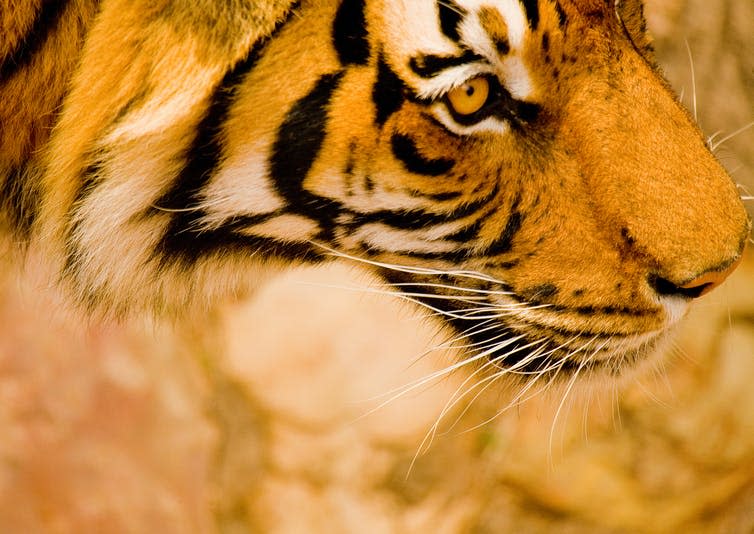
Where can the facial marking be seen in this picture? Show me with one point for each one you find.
(241, 186)
(511, 11)
(495, 26)
(286, 227)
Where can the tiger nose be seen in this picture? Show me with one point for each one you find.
(710, 280)
(697, 287)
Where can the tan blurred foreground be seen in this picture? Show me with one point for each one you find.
(258, 419)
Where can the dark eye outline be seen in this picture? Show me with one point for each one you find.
(500, 104)
(488, 109)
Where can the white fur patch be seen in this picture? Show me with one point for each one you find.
(387, 238)
(381, 199)
(286, 227)
(512, 12)
(412, 28)
(170, 100)
(473, 34)
(516, 78)
(675, 309)
(241, 187)
(490, 124)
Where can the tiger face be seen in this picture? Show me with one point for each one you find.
(517, 166)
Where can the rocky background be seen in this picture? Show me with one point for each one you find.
(278, 414)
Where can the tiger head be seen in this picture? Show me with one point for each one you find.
(518, 166)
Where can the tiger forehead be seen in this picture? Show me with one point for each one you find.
(496, 27)
(488, 27)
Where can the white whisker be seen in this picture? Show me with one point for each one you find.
(711, 138)
(454, 288)
(518, 399)
(568, 390)
(693, 80)
(398, 392)
(456, 398)
(410, 269)
(174, 210)
(730, 136)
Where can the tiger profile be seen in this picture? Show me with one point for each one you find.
(519, 167)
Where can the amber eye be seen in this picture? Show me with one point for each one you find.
(470, 97)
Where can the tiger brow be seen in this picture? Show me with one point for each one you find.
(430, 65)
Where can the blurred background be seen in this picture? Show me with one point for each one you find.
(277, 414)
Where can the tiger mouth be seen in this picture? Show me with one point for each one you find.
(537, 350)
(525, 354)
(511, 344)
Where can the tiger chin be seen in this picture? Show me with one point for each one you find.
(519, 167)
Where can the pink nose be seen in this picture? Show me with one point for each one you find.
(711, 279)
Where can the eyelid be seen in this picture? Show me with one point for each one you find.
(439, 86)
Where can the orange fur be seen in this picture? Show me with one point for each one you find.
(590, 198)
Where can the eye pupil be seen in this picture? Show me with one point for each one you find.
(470, 97)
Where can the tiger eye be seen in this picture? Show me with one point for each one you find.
(470, 97)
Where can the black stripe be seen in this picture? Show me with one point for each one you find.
(515, 351)
(472, 231)
(229, 239)
(417, 219)
(504, 243)
(540, 293)
(532, 12)
(225, 241)
(349, 33)
(206, 150)
(183, 238)
(203, 157)
(136, 100)
(546, 42)
(402, 220)
(562, 17)
(19, 199)
(388, 93)
(368, 183)
(297, 145)
(587, 311)
(453, 257)
(502, 45)
(451, 15)
(480, 336)
(440, 197)
(25, 50)
(300, 138)
(430, 65)
(404, 149)
(521, 112)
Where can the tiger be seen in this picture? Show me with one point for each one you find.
(520, 168)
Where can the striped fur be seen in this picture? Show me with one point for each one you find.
(199, 145)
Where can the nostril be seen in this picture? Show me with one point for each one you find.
(701, 285)
(667, 288)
